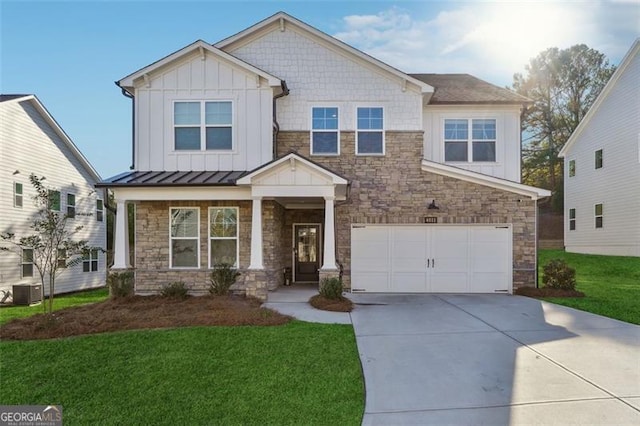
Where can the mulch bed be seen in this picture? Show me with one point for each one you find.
(335, 305)
(547, 292)
(141, 312)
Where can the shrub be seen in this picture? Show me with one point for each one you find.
(557, 274)
(223, 276)
(331, 288)
(176, 289)
(120, 284)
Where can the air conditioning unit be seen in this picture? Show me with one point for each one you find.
(27, 294)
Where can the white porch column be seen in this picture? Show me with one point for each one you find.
(121, 243)
(329, 262)
(256, 234)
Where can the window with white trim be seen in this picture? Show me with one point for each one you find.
(470, 140)
(203, 125)
(71, 205)
(223, 236)
(599, 214)
(17, 194)
(572, 168)
(572, 219)
(325, 136)
(27, 263)
(99, 210)
(370, 131)
(61, 258)
(90, 261)
(54, 200)
(184, 247)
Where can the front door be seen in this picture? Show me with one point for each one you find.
(306, 252)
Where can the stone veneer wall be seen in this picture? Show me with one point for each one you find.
(394, 189)
(152, 248)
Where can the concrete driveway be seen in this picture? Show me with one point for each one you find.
(494, 359)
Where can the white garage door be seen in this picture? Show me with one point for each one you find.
(431, 259)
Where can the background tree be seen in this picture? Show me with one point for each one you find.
(563, 85)
(52, 244)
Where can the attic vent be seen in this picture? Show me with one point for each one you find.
(281, 25)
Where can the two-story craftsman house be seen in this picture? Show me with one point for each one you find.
(283, 147)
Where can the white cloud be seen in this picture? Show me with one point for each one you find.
(491, 40)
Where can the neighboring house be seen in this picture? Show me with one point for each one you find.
(282, 147)
(602, 169)
(32, 142)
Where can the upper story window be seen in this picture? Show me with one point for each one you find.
(184, 234)
(54, 200)
(99, 210)
(599, 159)
(223, 235)
(370, 131)
(572, 219)
(17, 194)
(572, 168)
(203, 125)
(459, 146)
(27, 263)
(599, 215)
(325, 139)
(71, 205)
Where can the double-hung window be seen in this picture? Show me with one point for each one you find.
(90, 261)
(54, 200)
(71, 205)
(325, 139)
(223, 236)
(185, 237)
(370, 131)
(599, 213)
(61, 258)
(470, 140)
(203, 125)
(27, 263)
(99, 210)
(572, 219)
(17, 194)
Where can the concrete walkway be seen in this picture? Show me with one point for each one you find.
(294, 301)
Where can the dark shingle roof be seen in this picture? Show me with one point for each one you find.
(4, 98)
(219, 178)
(467, 89)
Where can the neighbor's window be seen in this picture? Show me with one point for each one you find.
(185, 237)
(54, 200)
(90, 261)
(71, 205)
(370, 134)
(599, 159)
(62, 258)
(572, 219)
(99, 210)
(223, 235)
(599, 215)
(203, 125)
(27, 263)
(324, 131)
(480, 147)
(17, 194)
(572, 168)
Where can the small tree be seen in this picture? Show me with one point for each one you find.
(51, 242)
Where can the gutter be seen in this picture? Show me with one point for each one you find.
(276, 126)
(133, 124)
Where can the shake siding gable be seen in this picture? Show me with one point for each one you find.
(29, 144)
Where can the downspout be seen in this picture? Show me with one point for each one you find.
(276, 126)
(133, 124)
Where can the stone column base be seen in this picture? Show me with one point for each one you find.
(327, 273)
(255, 281)
(119, 271)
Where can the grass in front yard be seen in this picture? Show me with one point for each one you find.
(7, 313)
(611, 284)
(299, 373)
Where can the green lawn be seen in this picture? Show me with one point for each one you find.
(300, 373)
(59, 302)
(611, 284)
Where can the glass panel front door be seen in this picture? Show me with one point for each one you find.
(306, 251)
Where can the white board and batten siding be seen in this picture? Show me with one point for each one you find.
(320, 74)
(431, 258)
(507, 164)
(30, 144)
(195, 79)
(613, 127)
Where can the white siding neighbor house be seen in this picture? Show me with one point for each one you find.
(602, 169)
(32, 142)
(282, 149)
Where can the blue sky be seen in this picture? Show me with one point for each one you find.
(69, 53)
